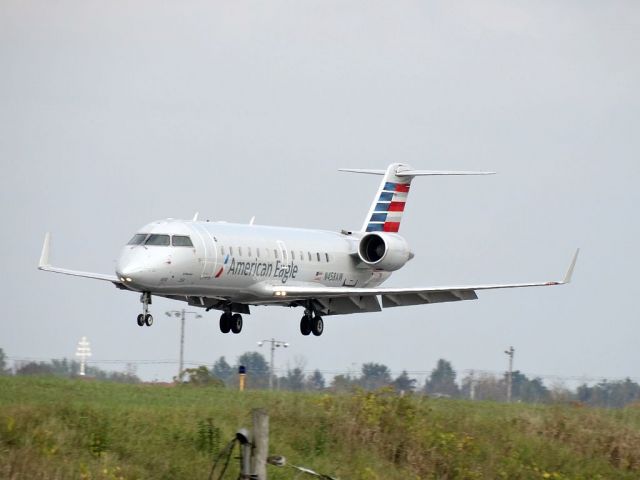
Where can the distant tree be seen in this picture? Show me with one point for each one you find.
(442, 380)
(201, 376)
(403, 383)
(294, 380)
(527, 390)
(35, 368)
(485, 387)
(257, 369)
(343, 383)
(65, 367)
(223, 371)
(315, 381)
(610, 394)
(374, 376)
(4, 370)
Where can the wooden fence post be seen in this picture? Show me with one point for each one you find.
(260, 443)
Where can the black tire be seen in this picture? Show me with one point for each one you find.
(305, 325)
(225, 323)
(140, 320)
(317, 325)
(148, 320)
(236, 323)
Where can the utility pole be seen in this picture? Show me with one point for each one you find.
(274, 343)
(83, 351)
(181, 314)
(510, 353)
(472, 385)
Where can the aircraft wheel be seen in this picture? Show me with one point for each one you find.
(141, 320)
(148, 320)
(305, 325)
(236, 323)
(317, 325)
(225, 322)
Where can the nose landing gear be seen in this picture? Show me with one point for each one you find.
(145, 318)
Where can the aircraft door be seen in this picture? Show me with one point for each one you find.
(284, 253)
(207, 251)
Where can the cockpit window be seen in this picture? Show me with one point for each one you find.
(181, 241)
(137, 239)
(158, 240)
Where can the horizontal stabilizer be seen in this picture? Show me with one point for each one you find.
(413, 173)
(426, 173)
(363, 170)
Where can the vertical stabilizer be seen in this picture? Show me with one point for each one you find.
(388, 205)
(385, 213)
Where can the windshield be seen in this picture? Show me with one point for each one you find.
(158, 240)
(182, 241)
(137, 239)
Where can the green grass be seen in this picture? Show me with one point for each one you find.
(53, 428)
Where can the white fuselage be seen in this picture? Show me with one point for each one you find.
(241, 261)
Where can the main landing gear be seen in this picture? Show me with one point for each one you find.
(145, 318)
(230, 322)
(311, 322)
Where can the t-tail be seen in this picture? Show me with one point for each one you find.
(385, 213)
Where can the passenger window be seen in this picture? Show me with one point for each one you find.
(158, 240)
(309, 253)
(230, 250)
(181, 241)
(239, 251)
(318, 255)
(301, 256)
(275, 253)
(293, 255)
(137, 239)
(249, 248)
(327, 257)
(258, 252)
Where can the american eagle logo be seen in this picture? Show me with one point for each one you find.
(221, 271)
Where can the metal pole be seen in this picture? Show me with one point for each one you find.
(273, 349)
(510, 376)
(181, 366)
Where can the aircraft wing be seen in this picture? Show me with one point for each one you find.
(45, 266)
(337, 299)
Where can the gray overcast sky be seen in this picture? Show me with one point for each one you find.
(113, 114)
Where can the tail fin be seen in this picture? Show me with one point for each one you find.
(385, 213)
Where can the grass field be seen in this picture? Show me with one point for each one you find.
(52, 428)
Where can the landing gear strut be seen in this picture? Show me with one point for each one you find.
(145, 318)
(311, 322)
(230, 322)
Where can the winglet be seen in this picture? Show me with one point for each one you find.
(569, 274)
(44, 256)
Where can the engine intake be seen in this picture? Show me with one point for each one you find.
(386, 251)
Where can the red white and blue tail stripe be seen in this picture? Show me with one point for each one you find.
(389, 206)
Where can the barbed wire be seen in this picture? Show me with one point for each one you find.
(476, 373)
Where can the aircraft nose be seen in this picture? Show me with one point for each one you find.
(131, 269)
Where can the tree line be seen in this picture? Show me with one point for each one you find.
(443, 381)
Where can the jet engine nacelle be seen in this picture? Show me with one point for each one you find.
(386, 251)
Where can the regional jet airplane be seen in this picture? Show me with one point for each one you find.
(230, 267)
